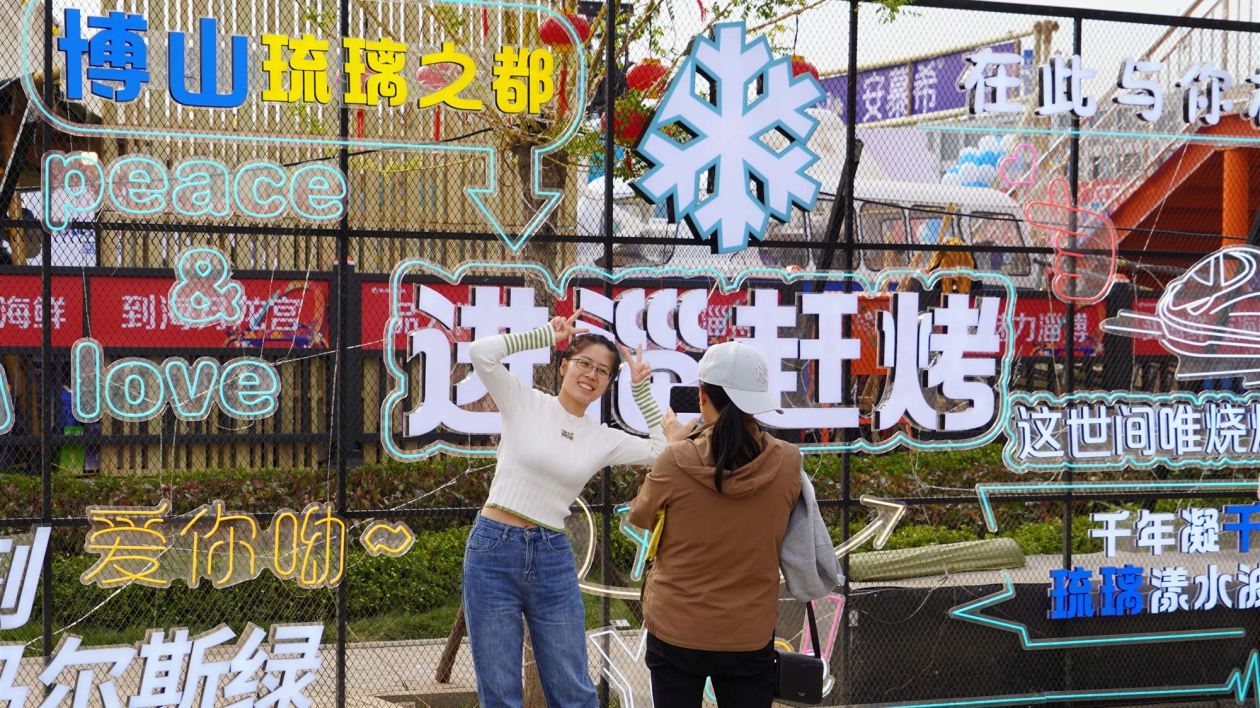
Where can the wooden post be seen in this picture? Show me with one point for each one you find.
(533, 696)
(453, 640)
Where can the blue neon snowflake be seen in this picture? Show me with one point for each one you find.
(722, 178)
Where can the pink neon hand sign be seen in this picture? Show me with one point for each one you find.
(1084, 246)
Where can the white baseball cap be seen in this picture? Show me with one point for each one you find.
(741, 372)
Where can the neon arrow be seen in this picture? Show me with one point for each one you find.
(618, 672)
(1240, 683)
(551, 198)
(888, 513)
(970, 612)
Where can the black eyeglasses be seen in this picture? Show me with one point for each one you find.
(586, 366)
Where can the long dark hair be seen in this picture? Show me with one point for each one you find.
(734, 445)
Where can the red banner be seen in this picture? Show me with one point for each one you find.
(22, 310)
(1040, 326)
(135, 312)
(1147, 347)
(374, 304)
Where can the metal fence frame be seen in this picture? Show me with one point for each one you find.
(345, 285)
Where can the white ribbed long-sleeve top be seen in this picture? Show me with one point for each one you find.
(546, 455)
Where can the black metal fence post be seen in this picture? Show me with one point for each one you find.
(1117, 356)
(611, 12)
(851, 157)
(1069, 317)
(340, 431)
(50, 412)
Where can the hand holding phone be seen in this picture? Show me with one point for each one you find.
(685, 399)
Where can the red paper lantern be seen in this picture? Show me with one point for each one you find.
(648, 76)
(629, 125)
(554, 35)
(432, 79)
(800, 66)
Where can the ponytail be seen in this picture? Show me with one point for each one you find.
(733, 445)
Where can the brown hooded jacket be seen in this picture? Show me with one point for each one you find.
(714, 584)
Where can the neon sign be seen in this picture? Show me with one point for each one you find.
(139, 185)
(1207, 317)
(970, 612)
(521, 78)
(1078, 277)
(135, 389)
(289, 662)
(117, 68)
(1119, 430)
(205, 293)
(143, 545)
(706, 180)
(950, 353)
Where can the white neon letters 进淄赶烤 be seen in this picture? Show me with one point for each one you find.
(134, 389)
(138, 185)
(680, 320)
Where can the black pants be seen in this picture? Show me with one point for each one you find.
(741, 679)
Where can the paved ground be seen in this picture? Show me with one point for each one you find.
(378, 675)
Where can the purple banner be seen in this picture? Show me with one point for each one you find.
(896, 91)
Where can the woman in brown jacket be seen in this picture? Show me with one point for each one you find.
(711, 593)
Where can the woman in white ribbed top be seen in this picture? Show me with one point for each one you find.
(518, 561)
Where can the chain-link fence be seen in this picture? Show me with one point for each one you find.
(388, 192)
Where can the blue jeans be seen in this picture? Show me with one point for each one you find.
(509, 572)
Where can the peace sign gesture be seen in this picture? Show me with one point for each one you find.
(639, 369)
(564, 328)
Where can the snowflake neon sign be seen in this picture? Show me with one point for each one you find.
(725, 179)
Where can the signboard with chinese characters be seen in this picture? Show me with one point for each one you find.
(1066, 87)
(706, 182)
(1187, 550)
(171, 668)
(147, 546)
(241, 84)
(1121, 430)
(116, 54)
(276, 313)
(920, 88)
(940, 366)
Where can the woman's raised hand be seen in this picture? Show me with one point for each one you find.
(565, 327)
(640, 370)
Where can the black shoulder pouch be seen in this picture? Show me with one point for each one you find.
(799, 677)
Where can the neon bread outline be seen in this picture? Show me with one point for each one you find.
(1209, 317)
